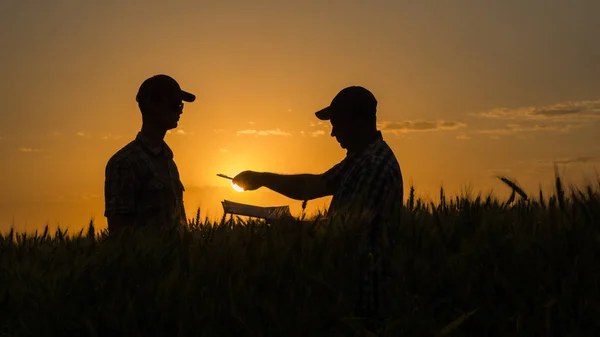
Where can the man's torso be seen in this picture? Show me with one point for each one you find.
(370, 180)
(143, 180)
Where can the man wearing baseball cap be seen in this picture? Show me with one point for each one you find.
(367, 181)
(142, 185)
(366, 185)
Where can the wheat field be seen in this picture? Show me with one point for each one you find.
(461, 266)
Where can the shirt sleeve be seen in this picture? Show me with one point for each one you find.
(369, 187)
(334, 175)
(119, 188)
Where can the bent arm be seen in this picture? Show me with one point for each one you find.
(297, 186)
(119, 194)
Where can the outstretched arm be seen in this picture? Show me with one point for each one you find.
(294, 186)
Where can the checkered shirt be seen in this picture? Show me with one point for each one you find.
(370, 183)
(367, 181)
(143, 180)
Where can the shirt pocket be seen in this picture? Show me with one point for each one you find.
(152, 197)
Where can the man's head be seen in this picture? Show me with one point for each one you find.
(160, 99)
(352, 114)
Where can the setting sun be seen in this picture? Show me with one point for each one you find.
(236, 187)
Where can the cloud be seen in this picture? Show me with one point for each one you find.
(396, 127)
(219, 130)
(110, 136)
(274, 132)
(463, 136)
(517, 128)
(571, 160)
(246, 132)
(27, 149)
(559, 117)
(82, 134)
(223, 150)
(251, 123)
(319, 124)
(179, 132)
(418, 126)
(568, 111)
(577, 160)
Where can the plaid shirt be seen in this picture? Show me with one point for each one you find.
(369, 183)
(143, 180)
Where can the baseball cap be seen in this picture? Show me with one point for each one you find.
(163, 86)
(353, 101)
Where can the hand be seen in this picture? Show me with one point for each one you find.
(248, 180)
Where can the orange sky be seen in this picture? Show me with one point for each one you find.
(466, 90)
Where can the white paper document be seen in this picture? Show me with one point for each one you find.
(272, 212)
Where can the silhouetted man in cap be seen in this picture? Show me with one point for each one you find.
(367, 181)
(142, 186)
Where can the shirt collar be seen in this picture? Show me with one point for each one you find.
(156, 150)
(373, 144)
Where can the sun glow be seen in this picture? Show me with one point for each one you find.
(236, 187)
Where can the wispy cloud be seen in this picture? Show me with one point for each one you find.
(418, 126)
(567, 111)
(571, 160)
(578, 160)
(319, 124)
(27, 149)
(246, 132)
(463, 136)
(219, 130)
(519, 128)
(396, 127)
(180, 132)
(82, 134)
(273, 132)
(110, 136)
(223, 150)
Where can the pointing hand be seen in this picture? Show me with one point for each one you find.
(248, 180)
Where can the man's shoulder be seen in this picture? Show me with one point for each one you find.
(126, 154)
(382, 162)
(382, 154)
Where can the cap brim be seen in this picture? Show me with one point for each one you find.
(324, 114)
(187, 97)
